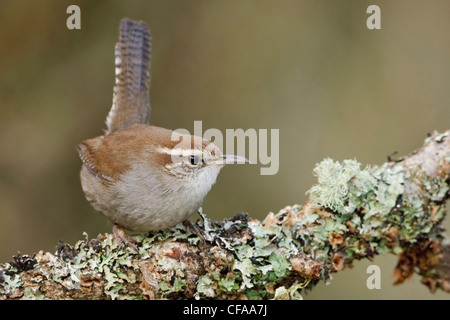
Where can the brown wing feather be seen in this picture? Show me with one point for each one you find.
(131, 100)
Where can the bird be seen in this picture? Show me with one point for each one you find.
(143, 177)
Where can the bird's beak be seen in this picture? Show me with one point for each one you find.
(232, 159)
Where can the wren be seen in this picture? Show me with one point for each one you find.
(143, 177)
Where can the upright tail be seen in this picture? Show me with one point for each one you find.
(131, 99)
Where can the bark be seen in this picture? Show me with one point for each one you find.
(353, 213)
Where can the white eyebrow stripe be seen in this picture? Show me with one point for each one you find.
(180, 151)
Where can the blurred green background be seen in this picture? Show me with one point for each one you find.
(311, 69)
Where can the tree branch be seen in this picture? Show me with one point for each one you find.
(352, 214)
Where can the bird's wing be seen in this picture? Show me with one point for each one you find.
(131, 100)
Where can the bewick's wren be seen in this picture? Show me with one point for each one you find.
(144, 177)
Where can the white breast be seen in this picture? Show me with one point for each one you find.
(145, 200)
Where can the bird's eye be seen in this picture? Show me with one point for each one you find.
(193, 160)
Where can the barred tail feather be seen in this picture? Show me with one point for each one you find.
(131, 98)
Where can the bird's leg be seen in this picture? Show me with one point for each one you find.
(206, 224)
(202, 234)
(123, 238)
(198, 231)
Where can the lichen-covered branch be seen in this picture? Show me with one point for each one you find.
(353, 213)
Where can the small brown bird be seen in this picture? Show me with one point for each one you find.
(139, 176)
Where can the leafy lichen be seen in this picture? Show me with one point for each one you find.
(340, 184)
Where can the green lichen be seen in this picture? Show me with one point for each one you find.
(372, 201)
(340, 184)
(206, 285)
(228, 285)
(11, 283)
(280, 265)
(291, 293)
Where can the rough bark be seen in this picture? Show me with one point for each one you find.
(353, 213)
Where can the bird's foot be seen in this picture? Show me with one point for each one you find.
(203, 234)
(123, 238)
(188, 224)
